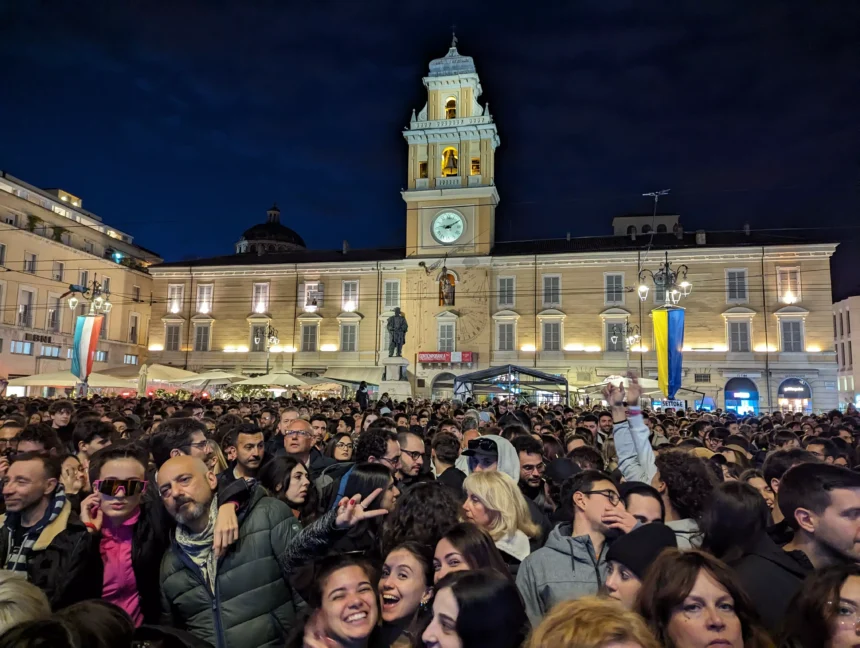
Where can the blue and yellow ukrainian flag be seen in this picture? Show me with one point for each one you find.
(669, 342)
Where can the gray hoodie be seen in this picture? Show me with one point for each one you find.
(565, 569)
(509, 460)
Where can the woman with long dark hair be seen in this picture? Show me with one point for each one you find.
(340, 447)
(825, 613)
(287, 479)
(467, 547)
(365, 537)
(405, 594)
(690, 599)
(476, 609)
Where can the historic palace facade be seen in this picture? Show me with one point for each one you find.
(758, 319)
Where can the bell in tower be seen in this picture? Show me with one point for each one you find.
(449, 164)
(274, 214)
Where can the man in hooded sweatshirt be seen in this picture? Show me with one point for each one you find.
(493, 452)
(573, 563)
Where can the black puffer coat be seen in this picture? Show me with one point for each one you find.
(253, 603)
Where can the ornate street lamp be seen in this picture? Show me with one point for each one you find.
(629, 333)
(271, 336)
(673, 282)
(96, 296)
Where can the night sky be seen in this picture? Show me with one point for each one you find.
(180, 122)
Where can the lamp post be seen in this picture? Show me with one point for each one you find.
(99, 306)
(673, 282)
(271, 338)
(630, 334)
(95, 296)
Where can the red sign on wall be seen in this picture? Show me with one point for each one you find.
(445, 356)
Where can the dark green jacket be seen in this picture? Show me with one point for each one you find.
(253, 603)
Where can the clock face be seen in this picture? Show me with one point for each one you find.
(447, 227)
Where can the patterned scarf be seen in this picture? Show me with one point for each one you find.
(19, 555)
(198, 546)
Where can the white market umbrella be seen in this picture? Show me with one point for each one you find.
(212, 377)
(68, 379)
(153, 372)
(279, 379)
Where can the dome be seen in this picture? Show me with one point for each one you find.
(452, 63)
(270, 236)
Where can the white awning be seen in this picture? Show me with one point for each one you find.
(67, 379)
(370, 375)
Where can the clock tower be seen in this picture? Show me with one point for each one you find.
(451, 195)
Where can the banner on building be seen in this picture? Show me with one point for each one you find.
(669, 342)
(87, 329)
(445, 356)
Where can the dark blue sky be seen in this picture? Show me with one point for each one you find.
(182, 121)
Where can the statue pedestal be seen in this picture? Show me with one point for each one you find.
(395, 379)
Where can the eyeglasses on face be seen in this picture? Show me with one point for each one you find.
(392, 461)
(536, 468)
(303, 433)
(414, 454)
(200, 445)
(613, 497)
(343, 446)
(129, 487)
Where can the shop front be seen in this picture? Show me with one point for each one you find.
(741, 396)
(794, 395)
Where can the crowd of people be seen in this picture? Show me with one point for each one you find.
(358, 523)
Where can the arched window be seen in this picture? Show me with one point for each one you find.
(451, 108)
(631, 230)
(450, 162)
(661, 229)
(646, 229)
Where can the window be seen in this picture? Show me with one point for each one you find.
(506, 292)
(2, 254)
(54, 314)
(450, 162)
(446, 336)
(349, 337)
(175, 297)
(661, 229)
(260, 298)
(258, 337)
(21, 348)
(129, 359)
(505, 336)
(11, 219)
(133, 328)
(103, 333)
(631, 230)
(85, 278)
(551, 336)
(106, 285)
(739, 337)
(100, 356)
(615, 340)
(451, 108)
(850, 355)
(614, 288)
(422, 169)
(30, 262)
(551, 290)
(841, 325)
(702, 377)
(89, 247)
(26, 301)
(309, 337)
(201, 337)
(736, 286)
(834, 326)
(847, 320)
(788, 285)
(476, 166)
(349, 302)
(135, 294)
(204, 298)
(58, 271)
(792, 336)
(842, 353)
(313, 296)
(659, 293)
(49, 351)
(391, 294)
(171, 337)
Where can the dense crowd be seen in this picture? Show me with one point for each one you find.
(361, 523)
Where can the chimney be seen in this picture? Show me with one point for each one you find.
(701, 239)
(345, 247)
(747, 229)
(568, 236)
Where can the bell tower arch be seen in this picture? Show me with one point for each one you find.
(451, 194)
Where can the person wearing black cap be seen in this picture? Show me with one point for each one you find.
(629, 558)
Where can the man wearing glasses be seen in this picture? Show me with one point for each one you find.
(299, 443)
(573, 563)
(532, 467)
(411, 459)
(181, 436)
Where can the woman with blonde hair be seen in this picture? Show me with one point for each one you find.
(591, 622)
(494, 502)
(20, 601)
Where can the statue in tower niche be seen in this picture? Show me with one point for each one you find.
(446, 288)
(397, 328)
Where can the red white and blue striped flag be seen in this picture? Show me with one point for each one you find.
(87, 331)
